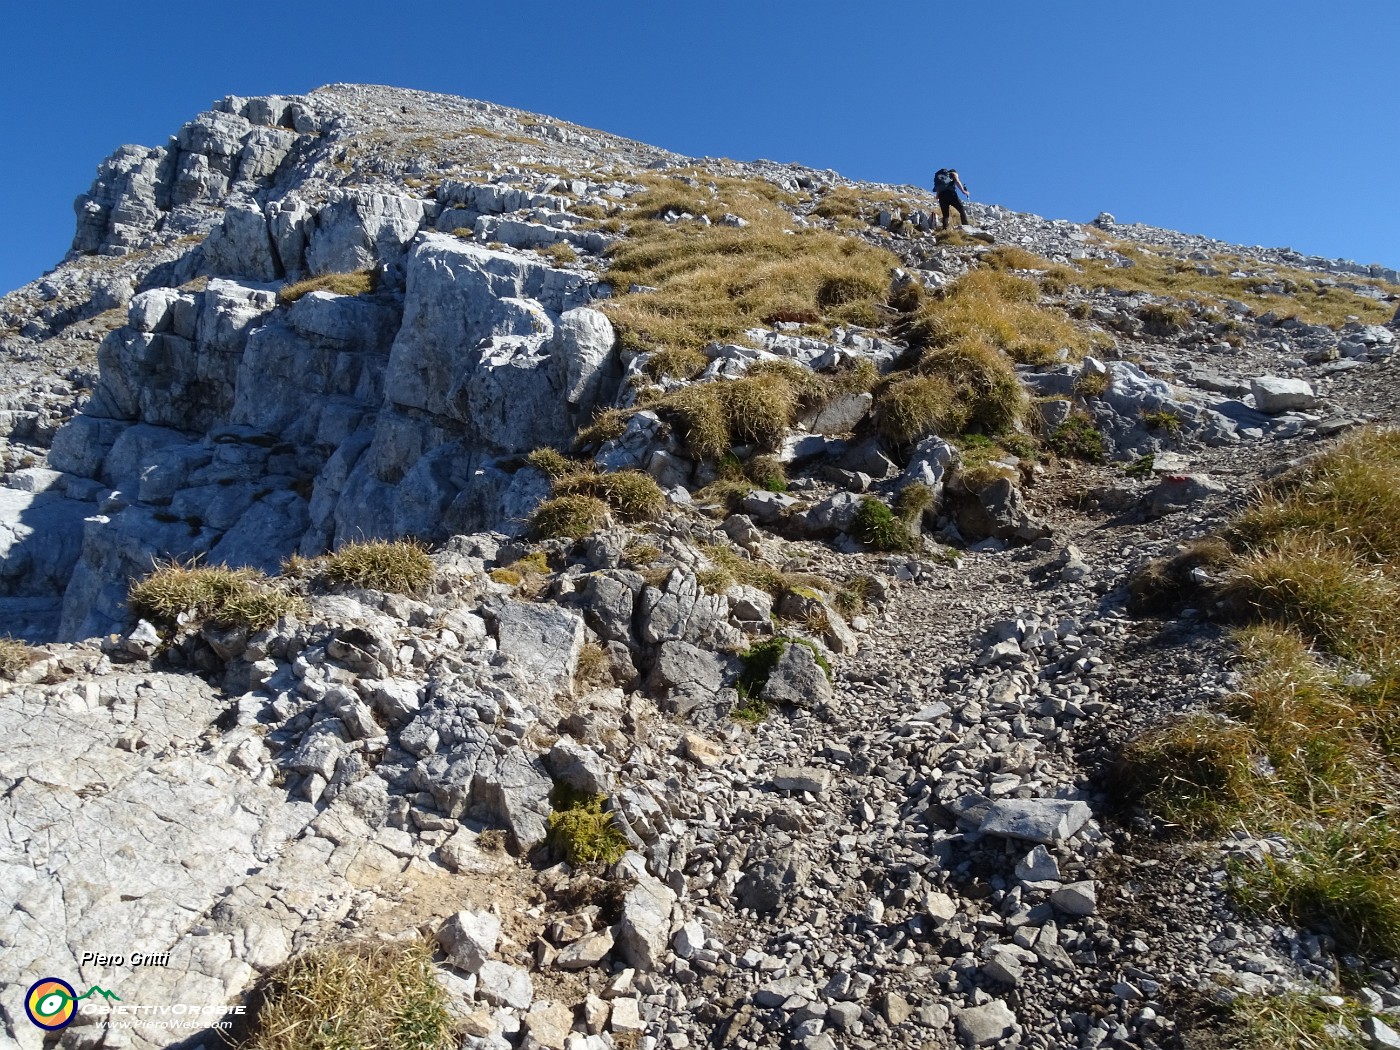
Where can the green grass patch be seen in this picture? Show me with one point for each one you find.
(401, 566)
(1293, 1021)
(876, 525)
(213, 594)
(1309, 746)
(357, 996)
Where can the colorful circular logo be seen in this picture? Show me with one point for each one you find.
(51, 1003)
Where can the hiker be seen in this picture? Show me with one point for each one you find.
(946, 185)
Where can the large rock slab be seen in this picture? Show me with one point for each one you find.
(124, 832)
(1275, 394)
(544, 639)
(644, 931)
(1043, 820)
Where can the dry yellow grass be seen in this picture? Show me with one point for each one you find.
(359, 282)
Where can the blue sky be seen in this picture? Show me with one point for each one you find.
(1274, 123)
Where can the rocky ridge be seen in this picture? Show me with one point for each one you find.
(917, 852)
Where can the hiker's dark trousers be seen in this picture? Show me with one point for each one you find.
(948, 201)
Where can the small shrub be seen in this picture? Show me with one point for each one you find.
(1077, 438)
(508, 577)
(401, 566)
(217, 595)
(1162, 420)
(358, 996)
(360, 282)
(875, 524)
(583, 832)
(15, 656)
(570, 517)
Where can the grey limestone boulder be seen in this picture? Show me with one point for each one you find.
(1275, 394)
(361, 228)
(644, 931)
(681, 610)
(990, 1024)
(468, 939)
(579, 767)
(798, 679)
(241, 245)
(544, 639)
(501, 984)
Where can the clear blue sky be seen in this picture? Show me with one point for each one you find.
(1274, 123)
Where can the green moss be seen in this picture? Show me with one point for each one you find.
(582, 831)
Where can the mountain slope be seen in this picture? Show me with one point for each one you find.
(797, 535)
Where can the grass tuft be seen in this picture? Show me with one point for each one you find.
(571, 517)
(713, 282)
(358, 996)
(360, 282)
(401, 566)
(1077, 438)
(15, 656)
(876, 525)
(1314, 732)
(217, 595)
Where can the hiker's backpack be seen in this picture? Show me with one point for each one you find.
(943, 181)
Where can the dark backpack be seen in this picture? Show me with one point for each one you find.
(943, 181)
